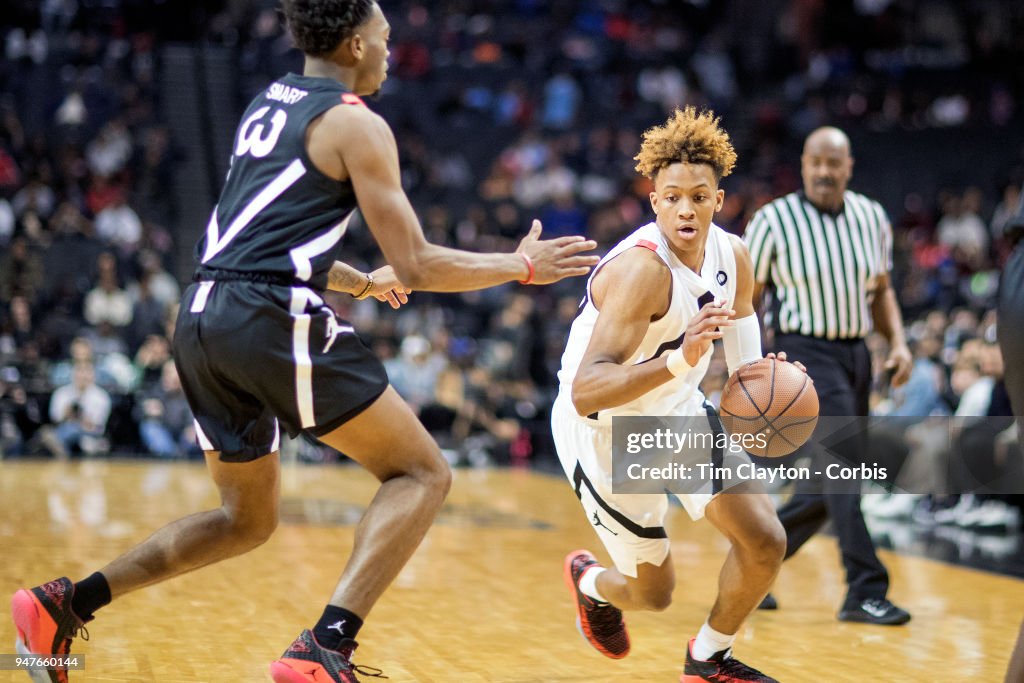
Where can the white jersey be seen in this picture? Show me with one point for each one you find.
(717, 280)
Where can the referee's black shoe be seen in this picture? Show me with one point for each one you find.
(875, 611)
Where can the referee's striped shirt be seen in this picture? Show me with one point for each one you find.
(822, 266)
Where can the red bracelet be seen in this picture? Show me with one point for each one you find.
(529, 265)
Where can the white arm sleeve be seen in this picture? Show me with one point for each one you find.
(742, 342)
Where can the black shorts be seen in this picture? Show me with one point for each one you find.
(251, 354)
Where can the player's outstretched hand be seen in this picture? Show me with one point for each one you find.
(556, 259)
(781, 355)
(386, 287)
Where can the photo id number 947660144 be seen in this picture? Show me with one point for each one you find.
(31, 662)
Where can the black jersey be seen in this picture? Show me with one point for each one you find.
(278, 215)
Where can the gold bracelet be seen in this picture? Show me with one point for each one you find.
(367, 288)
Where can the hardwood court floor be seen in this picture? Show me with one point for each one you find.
(482, 600)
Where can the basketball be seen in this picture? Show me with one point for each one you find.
(772, 400)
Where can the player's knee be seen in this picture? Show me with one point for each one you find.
(431, 472)
(445, 479)
(264, 529)
(777, 541)
(656, 600)
(251, 530)
(766, 541)
(440, 476)
(435, 473)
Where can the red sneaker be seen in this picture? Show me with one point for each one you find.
(305, 662)
(599, 622)
(46, 625)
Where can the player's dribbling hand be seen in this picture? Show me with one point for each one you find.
(556, 259)
(387, 287)
(781, 355)
(704, 328)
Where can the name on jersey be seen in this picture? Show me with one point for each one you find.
(285, 93)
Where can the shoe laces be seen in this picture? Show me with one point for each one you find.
(733, 667)
(78, 632)
(370, 671)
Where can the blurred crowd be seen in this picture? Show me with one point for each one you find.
(504, 110)
(949, 430)
(86, 223)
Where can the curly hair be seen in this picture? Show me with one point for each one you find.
(690, 137)
(319, 26)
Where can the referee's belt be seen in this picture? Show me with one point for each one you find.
(220, 275)
(837, 340)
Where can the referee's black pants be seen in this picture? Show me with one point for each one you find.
(1010, 326)
(841, 371)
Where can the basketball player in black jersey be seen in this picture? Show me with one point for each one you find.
(257, 348)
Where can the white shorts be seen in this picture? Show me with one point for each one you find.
(631, 526)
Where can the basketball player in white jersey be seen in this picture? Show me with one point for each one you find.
(641, 345)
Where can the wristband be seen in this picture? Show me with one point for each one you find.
(529, 266)
(676, 363)
(366, 289)
(742, 342)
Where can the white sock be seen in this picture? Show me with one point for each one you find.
(709, 641)
(588, 583)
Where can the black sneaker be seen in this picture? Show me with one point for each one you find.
(305, 661)
(769, 602)
(875, 611)
(721, 668)
(599, 622)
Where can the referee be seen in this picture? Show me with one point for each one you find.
(826, 253)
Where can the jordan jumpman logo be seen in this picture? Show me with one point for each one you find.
(598, 523)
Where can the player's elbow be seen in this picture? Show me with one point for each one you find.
(417, 266)
(410, 272)
(412, 277)
(582, 400)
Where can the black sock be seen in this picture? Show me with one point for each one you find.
(335, 625)
(90, 594)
